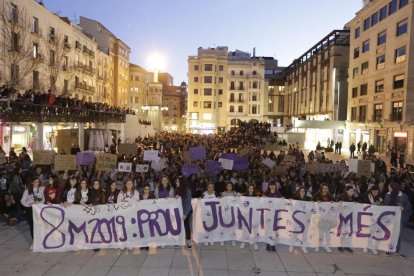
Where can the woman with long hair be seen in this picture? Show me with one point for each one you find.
(71, 186)
(272, 192)
(111, 194)
(82, 194)
(251, 192)
(146, 193)
(184, 191)
(97, 194)
(164, 189)
(34, 194)
(52, 190)
(323, 195)
(128, 193)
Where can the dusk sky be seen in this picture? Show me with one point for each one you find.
(176, 28)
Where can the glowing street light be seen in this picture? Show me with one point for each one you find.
(157, 62)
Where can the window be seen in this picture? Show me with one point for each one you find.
(231, 108)
(365, 46)
(402, 27)
(52, 34)
(357, 32)
(14, 13)
(220, 80)
(400, 55)
(208, 67)
(364, 68)
(219, 104)
(207, 104)
(398, 81)
(207, 116)
(36, 80)
(196, 67)
(255, 86)
(392, 7)
(367, 23)
(281, 105)
(383, 13)
(241, 73)
(403, 3)
(364, 89)
(374, 19)
(254, 73)
(356, 52)
(362, 113)
(15, 42)
(381, 62)
(232, 97)
(35, 50)
(354, 92)
(379, 86)
(382, 38)
(353, 113)
(195, 91)
(208, 91)
(377, 113)
(194, 115)
(232, 87)
(195, 79)
(241, 85)
(52, 57)
(232, 73)
(396, 112)
(66, 86)
(254, 109)
(35, 25)
(355, 72)
(208, 79)
(221, 67)
(240, 108)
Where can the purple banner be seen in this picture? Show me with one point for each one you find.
(197, 153)
(213, 167)
(241, 163)
(189, 169)
(85, 158)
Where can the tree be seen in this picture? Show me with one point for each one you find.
(17, 51)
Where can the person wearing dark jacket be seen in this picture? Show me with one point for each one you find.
(97, 194)
(323, 195)
(184, 191)
(347, 196)
(111, 194)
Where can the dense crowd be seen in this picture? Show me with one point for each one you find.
(23, 185)
(32, 97)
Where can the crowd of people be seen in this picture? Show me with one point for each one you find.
(32, 97)
(22, 185)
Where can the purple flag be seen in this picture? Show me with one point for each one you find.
(85, 158)
(189, 169)
(197, 153)
(213, 167)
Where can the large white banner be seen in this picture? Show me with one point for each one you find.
(138, 224)
(297, 223)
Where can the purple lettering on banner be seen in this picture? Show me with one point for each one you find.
(276, 220)
(197, 153)
(302, 226)
(262, 216)
(387, 233)
(361, 226)
(213, 206)
(97, 228)
(344, 220)
(74, 228)
(154, 225)
(222, 223)
(242, 220)
(55, 228)
(189, 169)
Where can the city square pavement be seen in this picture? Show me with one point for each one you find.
(17, 259)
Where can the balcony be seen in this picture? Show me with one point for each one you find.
(67, 46)
(25, 112)
(78, 46)
(377, 118)
(396, 117)
(257, 76)
(85, 87)
(236, 114)
(236, 100)
(237, 76)
(241, 88)
(84, 67)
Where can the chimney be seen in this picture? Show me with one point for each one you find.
(254, 52)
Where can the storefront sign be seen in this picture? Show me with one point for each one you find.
(20, 129)
(400, 134)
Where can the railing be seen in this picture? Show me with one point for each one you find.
(85, 87)
(26, 112)
(394, 117)
(237, 114)
(377, 118)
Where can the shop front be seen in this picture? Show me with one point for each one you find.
(381, 140)
(400, 141)
(16, 136)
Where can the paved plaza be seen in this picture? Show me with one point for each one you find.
(17, 259)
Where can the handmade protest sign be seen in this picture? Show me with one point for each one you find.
(241, 163)
(137, 224)
(189, 169)
(159, 165)
(127, 148)
(364, 168)
(43, 157)
(197, 153)
(226, 164)
(186, 156)
(142, 168)
(353, 165)
(85, 158)
(151, 155)
(213, 167)
(124, 167)
(269, 163)
(297, 223)
(244, 152)
(65, 162)
(106, 162)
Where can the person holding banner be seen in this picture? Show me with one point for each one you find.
(347, 196)
(111, 194)
(97, 194)
(272, 192)
(52, 190)
(184, 191)
(164, 189)
(128, 193)
(209, 194)
(34, 194)
(82, 194)
(323, 195)
(69, 191)
(251, 192)
(229, 192)
(395, 197)
(146, 193)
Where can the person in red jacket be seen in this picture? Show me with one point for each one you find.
(52, 190)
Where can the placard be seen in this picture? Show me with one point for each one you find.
(186, 156)
(226, 164)
(126, 148)
(244, 152)
(140, 168)
(189, 169)
(151, 155)
(353, 165)
(213, 167)
(364, 168)
(124, 167)
(43, 157)
(197, 153)
(269, 163)
(85, 157)
(65, 162)
(159, 165)
(106, 162)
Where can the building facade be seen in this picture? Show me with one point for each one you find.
(138, 81)
(381, 76)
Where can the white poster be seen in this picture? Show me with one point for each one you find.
(269, 163)
(124, 167)
(159, 164)
(298, 223)
(353, 165)
(226, 164)
(144, 223)
(142, 168)
(151, 155)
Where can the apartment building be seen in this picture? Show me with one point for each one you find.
(224, 89)
(381, 81)
(172, 116)
(47, 52)
(119, 51)
(138, 80)
(105, 78)
(316, 90)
